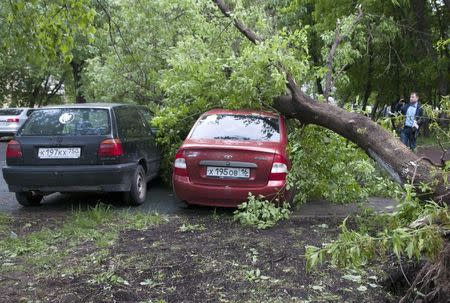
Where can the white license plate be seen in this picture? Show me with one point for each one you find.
(228, 172)
(59, 153)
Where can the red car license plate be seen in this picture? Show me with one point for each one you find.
(228, 172)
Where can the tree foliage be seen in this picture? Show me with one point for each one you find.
(413, 230)
(341, 172)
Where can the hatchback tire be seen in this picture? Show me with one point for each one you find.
(28, 198)
(138, 191)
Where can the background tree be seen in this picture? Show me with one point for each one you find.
(42, 43)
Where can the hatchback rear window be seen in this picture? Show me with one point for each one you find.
(10, 112)
(237, 127)
(68, 122)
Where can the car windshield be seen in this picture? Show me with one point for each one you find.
(10, 112)
(67, 122)
(237, 127)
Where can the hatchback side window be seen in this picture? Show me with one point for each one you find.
(129, 122)
(147, 114)
(147, 117)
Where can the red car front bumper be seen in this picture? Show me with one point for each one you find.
(225, 196)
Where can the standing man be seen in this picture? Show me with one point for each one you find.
(414, 113)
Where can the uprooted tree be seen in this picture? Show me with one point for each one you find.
(401, 163)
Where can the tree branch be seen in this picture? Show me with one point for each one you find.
(111, 24)
(247, 32)
(338, 38)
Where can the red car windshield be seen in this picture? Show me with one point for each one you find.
(237, 127)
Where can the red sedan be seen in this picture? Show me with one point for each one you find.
(229, 154)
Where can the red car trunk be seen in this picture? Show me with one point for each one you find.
(229, 154)
(202, 155)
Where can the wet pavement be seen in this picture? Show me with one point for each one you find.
(161, 199)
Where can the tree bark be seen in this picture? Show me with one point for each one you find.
(368, 89)
(33, 97)
(374, 112)
(422, 26)
(447, 3)
(444, 74)
(315, 59)
(400, 162)
(77, 67)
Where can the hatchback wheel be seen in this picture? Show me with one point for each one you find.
(28, 198)
(138, 190)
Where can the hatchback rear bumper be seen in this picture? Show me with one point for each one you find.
(80, 178)
(224, 196)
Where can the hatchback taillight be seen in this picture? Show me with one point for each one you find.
(13, 120)
(279, 168)
(13, 150)
(110, 148)
(180, 167)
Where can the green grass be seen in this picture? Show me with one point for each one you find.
(96, 228)
(5, 221)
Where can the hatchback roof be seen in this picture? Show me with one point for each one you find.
(15, 108)
(88, 105)
(219, 111)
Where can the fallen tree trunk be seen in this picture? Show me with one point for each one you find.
(400, 162)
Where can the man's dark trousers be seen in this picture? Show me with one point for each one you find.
(408, 136)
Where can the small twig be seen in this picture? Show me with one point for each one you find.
(277, 259)
(444, 152)
(403, 272)
(441, 197)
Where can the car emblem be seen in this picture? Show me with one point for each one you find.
(59, 139)
(192, 154)
(228, 157)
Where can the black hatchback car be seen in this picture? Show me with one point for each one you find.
(83, 148)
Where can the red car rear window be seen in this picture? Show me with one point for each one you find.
(237, 127)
